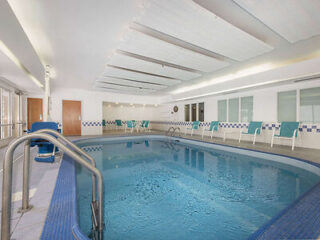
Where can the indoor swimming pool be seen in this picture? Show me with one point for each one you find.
(172, 188)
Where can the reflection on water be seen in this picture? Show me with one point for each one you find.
(167, 190)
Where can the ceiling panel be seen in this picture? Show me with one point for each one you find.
(145, 45)
(131, 83)
(293, 19)
(150, 67)
(115, 72)
(188, 21)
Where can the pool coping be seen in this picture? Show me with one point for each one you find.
(78, 234)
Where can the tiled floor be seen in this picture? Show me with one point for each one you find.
(43, 177)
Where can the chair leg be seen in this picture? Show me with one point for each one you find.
(293, 140)
(254, 139)
(240, 137)
(211, 134)
(272, 140)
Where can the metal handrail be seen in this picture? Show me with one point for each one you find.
(77, 149)
(7, 179)
(174, 130)
(168, 131)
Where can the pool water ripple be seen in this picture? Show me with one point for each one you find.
(170, 190)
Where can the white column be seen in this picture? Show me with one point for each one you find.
(46, 94)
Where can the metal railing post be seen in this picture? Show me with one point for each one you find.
(25, 183)
(7, 180)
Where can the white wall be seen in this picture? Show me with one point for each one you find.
(91, 105)
(264, 103)
(264, 109)
(110, 113)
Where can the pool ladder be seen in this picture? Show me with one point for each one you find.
(70, 149)
(174, 129)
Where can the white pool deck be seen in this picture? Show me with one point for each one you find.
(28, 226)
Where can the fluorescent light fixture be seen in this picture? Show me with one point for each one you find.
(14, 59)
(244, 87)
(228, 77)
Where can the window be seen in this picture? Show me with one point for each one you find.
(193, 112)
(287, 106)
(233, 110)
(222, 110)
(310, 105)
(187, 113)
(201, 112)
(246, 109)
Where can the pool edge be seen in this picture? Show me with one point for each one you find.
(78, 234)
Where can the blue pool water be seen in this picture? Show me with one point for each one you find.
(156, 189)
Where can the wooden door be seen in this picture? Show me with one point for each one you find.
(34, 110)
(71, 117)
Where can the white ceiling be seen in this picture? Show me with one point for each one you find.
(152, 47)
(150, 67)
(188, 21)
(294, 20)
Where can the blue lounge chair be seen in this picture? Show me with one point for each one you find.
(46, 150)
(195, 126)
(254, 129)
(214, 125)
(130, 125)
(288, 130)
(118, 123)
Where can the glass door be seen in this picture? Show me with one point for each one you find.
(5, 115)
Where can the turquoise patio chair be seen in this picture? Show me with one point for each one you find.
(195, 126)
(214, 126)
(118, 124)
(130, 125)
(254, 129)
(146, 125)
(288, 130)
(141, 126)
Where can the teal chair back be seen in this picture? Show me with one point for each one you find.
(214, 125)
(195, 125)
(104, 123)
(146, 124)
(253, 126)
(287, 129)
(118, 123)
(130, 124)
(143, 122)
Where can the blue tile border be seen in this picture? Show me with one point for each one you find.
(62, 217)
(310, 128)
(303, 210)
(58, 222)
